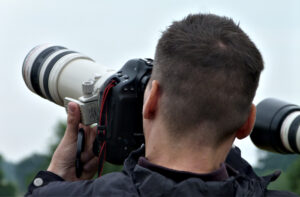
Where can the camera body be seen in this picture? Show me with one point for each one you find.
(124, 129)
(124, 109)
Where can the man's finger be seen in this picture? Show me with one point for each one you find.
(90, 134)
(86, 156)
(91, 166)
(73, 119)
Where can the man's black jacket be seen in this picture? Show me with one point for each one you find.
(135, 180)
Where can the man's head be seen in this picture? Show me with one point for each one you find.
(207, 71)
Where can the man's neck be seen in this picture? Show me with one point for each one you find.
(185, 155)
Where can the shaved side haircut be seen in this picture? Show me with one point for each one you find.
(209, 70)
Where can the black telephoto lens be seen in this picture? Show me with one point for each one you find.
(277, 126)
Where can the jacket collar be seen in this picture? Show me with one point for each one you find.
(243, 179)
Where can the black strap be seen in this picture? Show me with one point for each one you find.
(80, 149)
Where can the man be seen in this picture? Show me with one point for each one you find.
(198, 100)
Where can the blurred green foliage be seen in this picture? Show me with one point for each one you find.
(293, 176)
(6, 188)
(289, 165)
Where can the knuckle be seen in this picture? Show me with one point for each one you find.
(72, 120)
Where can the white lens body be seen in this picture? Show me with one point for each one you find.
(60, 73)
(68, 75)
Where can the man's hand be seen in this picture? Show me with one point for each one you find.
(63, 159)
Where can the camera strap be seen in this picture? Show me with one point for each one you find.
(102, 128)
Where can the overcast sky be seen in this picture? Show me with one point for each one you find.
(112, 32)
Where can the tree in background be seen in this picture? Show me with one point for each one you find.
(28, 168)
(270, 162)
(293, 176)
(274, 161)
(40, 162)
(6, 188)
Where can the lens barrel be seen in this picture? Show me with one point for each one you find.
(277, 126)
(43, 67)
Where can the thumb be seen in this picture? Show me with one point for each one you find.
(73, 119)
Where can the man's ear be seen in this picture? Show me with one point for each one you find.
(246, 129)
(151, 100)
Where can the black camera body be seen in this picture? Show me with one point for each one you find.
(124, 127)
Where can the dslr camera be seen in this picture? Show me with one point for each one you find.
(111, 99)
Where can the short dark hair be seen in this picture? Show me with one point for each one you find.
(209, 70)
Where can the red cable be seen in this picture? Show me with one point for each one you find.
(106, 91)
(103, 100)
(103, 145)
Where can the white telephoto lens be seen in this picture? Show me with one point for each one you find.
(54, 72)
